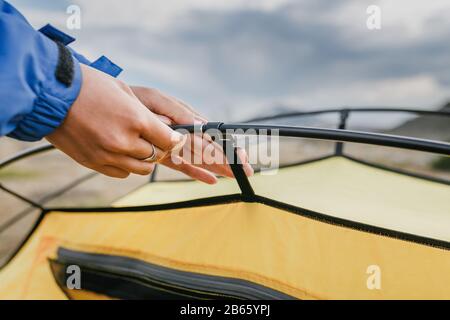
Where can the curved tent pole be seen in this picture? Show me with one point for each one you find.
(344, 115)
(377, 139)
(25, 154)
(46, 147)
(45, 199)
(349, 110)
(35, 204)
(17, 157)
(339, 135)
(21, 197)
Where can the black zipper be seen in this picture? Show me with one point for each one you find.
(128, 278)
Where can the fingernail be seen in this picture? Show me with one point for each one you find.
(179, 140)
(165, 119)
(176, 136)
(199, 120)
(214, 181)
(248, 170)
(207, 138)
(243, 156)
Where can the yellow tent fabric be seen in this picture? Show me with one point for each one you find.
(300, 256)
(335, 186)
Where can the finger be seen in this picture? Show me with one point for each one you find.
(140, 149)
(165, 119)
(112, 171)
(208, 155)
(74, 148)
(131, 165)
(163, 104)
(191, 109)
(158, 133)
(224, 169)
(173, 109)
(220, 168)
(160, 155)
(204, 150)
(154, 155)
(190, 170)
(242, 154)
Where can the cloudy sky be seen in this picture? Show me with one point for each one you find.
(239, 58)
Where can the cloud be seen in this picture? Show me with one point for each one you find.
(238, 58)
(369, 93)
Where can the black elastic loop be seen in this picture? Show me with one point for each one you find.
(228, 144)
(153, 175)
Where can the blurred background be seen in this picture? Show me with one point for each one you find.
(238, 59)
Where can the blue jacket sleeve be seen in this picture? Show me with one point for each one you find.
(33, 102)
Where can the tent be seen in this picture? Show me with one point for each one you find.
(332, 227)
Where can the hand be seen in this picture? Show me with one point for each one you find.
(170, 109)
(174, 111)
(108, 129)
